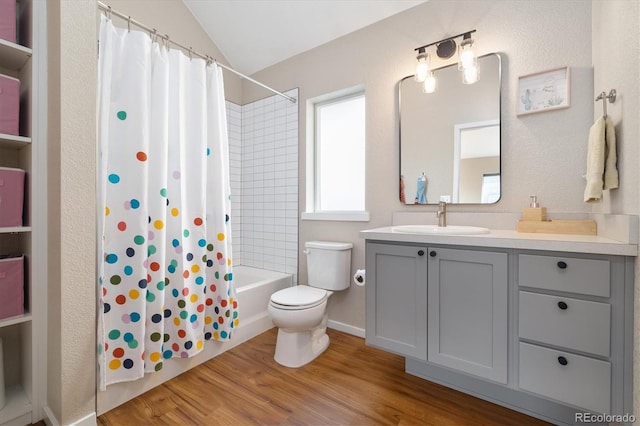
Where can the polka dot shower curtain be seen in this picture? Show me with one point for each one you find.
(165, 274)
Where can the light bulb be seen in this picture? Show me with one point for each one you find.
(470, 75)
(422, 68)
(466, 55)
(429, 83)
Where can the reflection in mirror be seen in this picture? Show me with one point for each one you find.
(450, 139)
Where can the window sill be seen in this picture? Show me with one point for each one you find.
(337, 216)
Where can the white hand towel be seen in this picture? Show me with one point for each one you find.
(610, 165)
(601, 160)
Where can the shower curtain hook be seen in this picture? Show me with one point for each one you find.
(109, 12)
(129, 24)
(167, 41)
(190, 53)
(154, 37)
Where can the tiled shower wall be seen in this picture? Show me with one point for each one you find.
(234, 129)
(263, 156)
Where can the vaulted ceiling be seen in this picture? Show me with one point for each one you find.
(254, 34)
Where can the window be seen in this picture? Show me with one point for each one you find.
(336, 157)
(490, 188)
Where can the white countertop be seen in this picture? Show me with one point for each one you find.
(508, 239)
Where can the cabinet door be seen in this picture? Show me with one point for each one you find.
(468, 311)
(397, 299)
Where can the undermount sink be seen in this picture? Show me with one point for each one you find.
(440, 230)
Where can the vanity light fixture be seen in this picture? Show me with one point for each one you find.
(467, 60)
(445, 49)
(422, 67)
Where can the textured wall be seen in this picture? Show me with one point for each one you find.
(72, 223)
(617, 66)
(542, 154)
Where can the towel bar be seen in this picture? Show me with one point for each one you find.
(603, 96)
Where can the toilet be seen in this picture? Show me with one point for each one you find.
(300, 312)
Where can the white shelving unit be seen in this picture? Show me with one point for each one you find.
(14, 56)
(13, 142)
(22, 335)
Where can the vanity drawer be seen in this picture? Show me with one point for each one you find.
(563, 321)
(582, 381)
(586, 276)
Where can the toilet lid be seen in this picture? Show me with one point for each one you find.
(299, 295)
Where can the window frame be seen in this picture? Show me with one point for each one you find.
(312, 211)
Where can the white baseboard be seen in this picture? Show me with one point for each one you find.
(50, 419)
(90, 419)
(346, 328)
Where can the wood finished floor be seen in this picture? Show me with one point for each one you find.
(350, 384)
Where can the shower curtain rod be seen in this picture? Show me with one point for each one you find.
(153, 32)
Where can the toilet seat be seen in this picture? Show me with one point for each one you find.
(298, 297)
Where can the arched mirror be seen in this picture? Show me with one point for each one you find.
(450, 139)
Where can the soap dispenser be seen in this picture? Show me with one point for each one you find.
(534, 212)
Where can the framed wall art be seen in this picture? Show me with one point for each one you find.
(544, 91)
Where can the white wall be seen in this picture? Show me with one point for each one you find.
(617, 66)
(542, 154)
(72, 210)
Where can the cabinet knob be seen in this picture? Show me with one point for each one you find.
(432, 253)
(562, 265)
(562, 360)
(420, 252)
(562, 305)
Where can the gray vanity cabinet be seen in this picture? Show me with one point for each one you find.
(467, 319)
(465, 322)
(570, 329)
(396, 294)
(548, 333)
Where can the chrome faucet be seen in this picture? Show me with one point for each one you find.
(442, 213)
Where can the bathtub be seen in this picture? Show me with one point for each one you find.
(254, 288)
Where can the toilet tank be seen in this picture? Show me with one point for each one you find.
(328, 264)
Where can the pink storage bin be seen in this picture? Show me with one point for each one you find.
(9, 104)
(11, 196)
(8, 20)
(11, 287)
